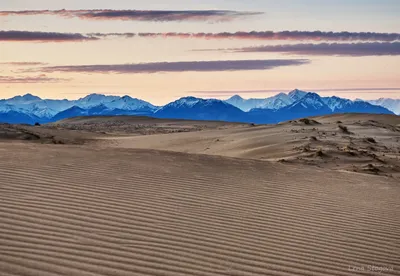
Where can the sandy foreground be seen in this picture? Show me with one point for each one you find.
(100, 196)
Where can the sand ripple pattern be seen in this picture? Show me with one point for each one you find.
(68, 210)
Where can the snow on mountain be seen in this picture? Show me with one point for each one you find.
(34, 105)
(20, 102)
(281, 107)
(310, 101)
(282, 100)
(335, 103)
(20, 109)
(275, 102)
(278, 101)
(95, 100)
(200, 109)
(190, 102)
(391, 104)
(235, 99)
(42, 112)
(184, 102)
(341, 105)
(129, 103)
(244, 104)
(296, 94)
(311, 104)
(47, 109)
(5, 107)
(25, 99)
(56, 105)
(238, 101)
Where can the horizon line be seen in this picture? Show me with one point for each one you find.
(231, 93)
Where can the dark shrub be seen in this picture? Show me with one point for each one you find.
(344, 129)
(305, 121)
(319, 153)
(370, 140)
(308, 121)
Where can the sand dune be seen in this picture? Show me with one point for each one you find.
(106, 208)
(131, 125)
(352, 142)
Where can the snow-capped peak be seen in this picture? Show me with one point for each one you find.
(95, 100)
(297, 94)
(97, 97)
(278, 101)
(235, 98)
(311, 100)
(335, 103)
(25, 99)
(391, 104)
(129, 103)
(186, 101)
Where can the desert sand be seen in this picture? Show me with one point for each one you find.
(141, 196)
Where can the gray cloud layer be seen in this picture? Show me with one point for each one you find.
(263, 36)
(285, 35)
(326, 49)
(183, 66)
(140, 15)
(30, 79)
(43, 36)
(24, 63)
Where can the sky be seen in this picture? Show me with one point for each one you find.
(163, 50)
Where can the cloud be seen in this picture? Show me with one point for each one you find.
(262, 36)
(115, 35)
(268, 36)
(140, 15)
(43, 36)
(183, 66)
(23, 63)
(31, 79)
(326, 49)
(284, 35)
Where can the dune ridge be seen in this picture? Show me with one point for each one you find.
(364, 143)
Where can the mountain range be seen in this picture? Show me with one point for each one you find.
(391, 104)
(29, 109)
